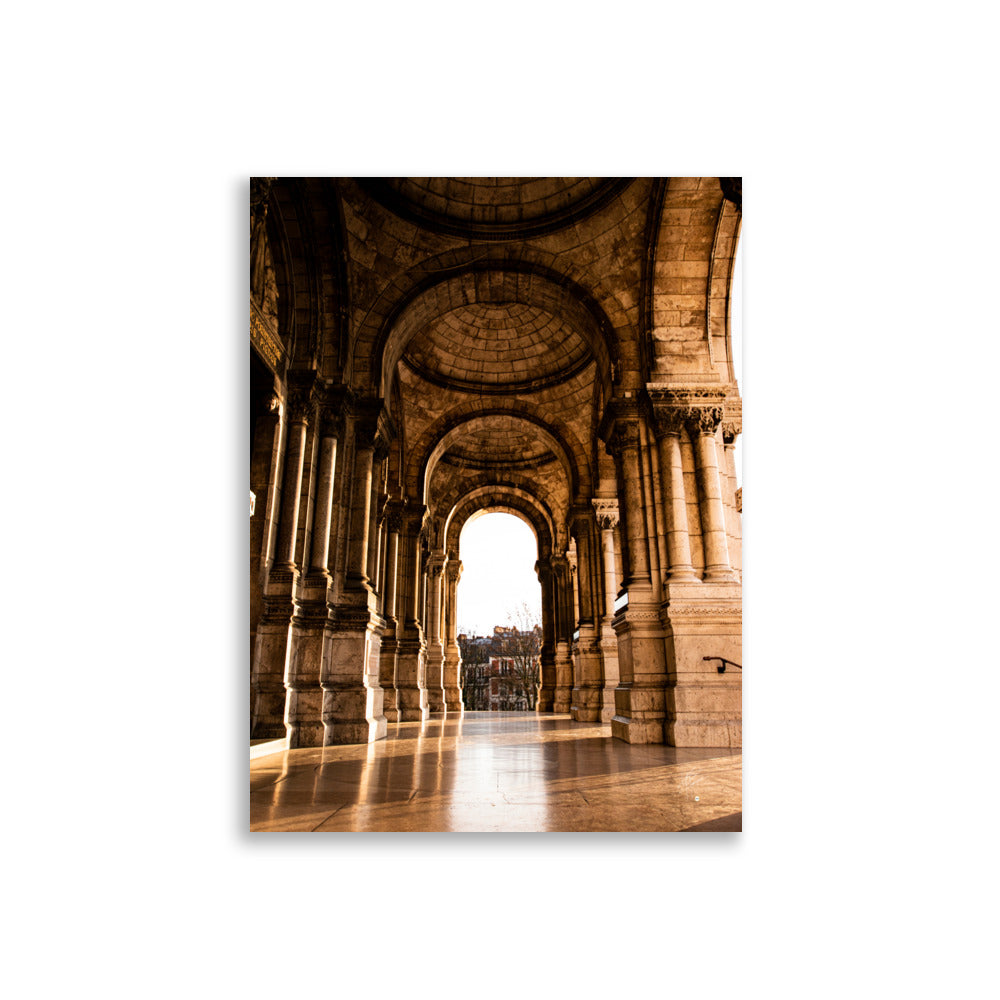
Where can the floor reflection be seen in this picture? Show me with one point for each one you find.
(497, 772)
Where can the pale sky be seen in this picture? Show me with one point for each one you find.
(499, 552)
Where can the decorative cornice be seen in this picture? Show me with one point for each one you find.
(703, 611)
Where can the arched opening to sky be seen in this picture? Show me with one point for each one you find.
(498, 552)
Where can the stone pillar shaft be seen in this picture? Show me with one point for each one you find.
(360, 516)
(324, 505)
(678, 542)
(295, 454)
(713, 517)
(452, 654)
(435, 648)
(411, 687)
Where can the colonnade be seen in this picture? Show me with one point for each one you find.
(355, 594)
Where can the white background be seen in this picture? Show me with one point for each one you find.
(865, 138)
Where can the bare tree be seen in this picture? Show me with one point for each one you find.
(517, 648)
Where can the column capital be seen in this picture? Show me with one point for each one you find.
(731, 430)
(699, 408)
(453, 568)
(393, 514)
(373, 428)
(624, 435)
(302, 397)
(703, 420)
(413, 516)
(606, 512)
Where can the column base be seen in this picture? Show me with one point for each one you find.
(434, 673)
(387, 671)
(267, 676)
(352, 716)
(636, 730)
(704, 707)
(562, 697)
(452, 664)
(640, 700)
(586, 695)
(705, 733)
(352, 698)
(412, 703)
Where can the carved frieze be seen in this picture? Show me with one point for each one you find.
(703, 611)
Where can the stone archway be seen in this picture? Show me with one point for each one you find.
(556, 347)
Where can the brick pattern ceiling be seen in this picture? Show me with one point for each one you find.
(511, 346)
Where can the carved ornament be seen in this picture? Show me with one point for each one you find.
(731, 430)
(393, 515)
(699, 611)
(606, 512)
(301, 398)
(703, 420)
(625, 436)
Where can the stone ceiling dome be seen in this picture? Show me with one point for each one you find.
(493, 207)
(508, 442)
(497, 347)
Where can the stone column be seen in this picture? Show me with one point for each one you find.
(731, 429)
(411, 687)
(271, 650)
(452, 654)
(352, 697)
(586, 701)
(295, 456)
(435, 647)
(607, 520)
(573, 562)
(669, 425)
(702, 425)
(360, 523)
(640, 699)
(308, 634)
(387, 657)
(561, 598)
(653, 527)
(700, 617)
(547, 692)
(265, 468)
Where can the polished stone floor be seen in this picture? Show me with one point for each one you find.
(499, 772)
